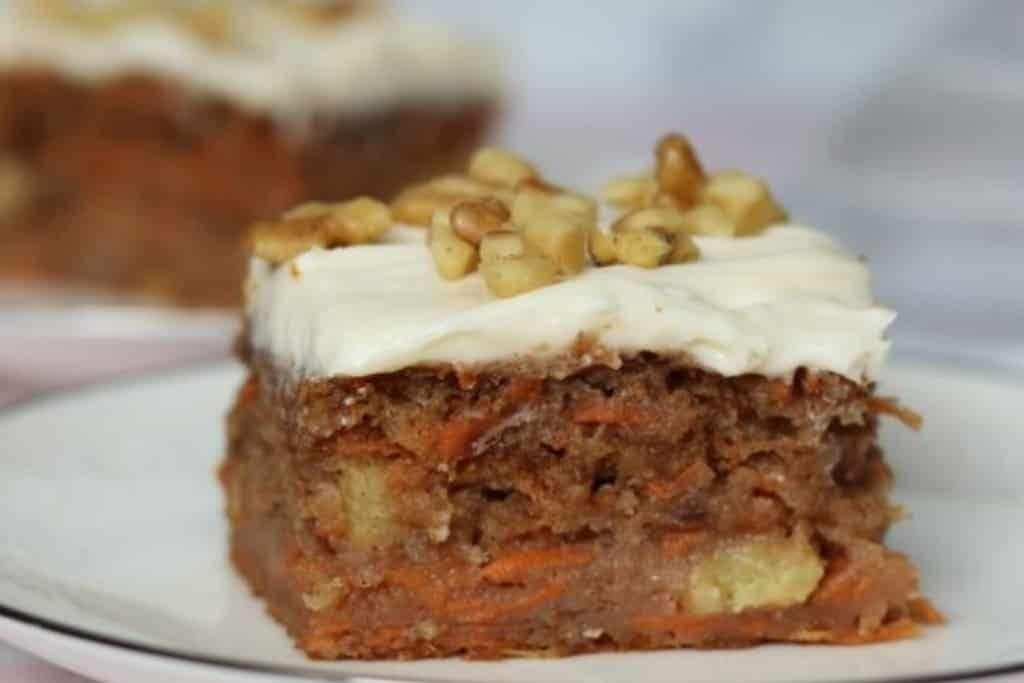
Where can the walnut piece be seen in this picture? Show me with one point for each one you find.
(496, 166)
(653, 236)
(523, 232)
(416, 205)
(601, 246)
(507, 277)
(318, 224)
(631, 192)
(678, 172)
(708, 219)
(454, 256)
(746, 200)
(280, 241)
(644, 247)
(502, 244)
(473, 219)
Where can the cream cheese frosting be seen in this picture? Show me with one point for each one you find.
(366, 62)
(790, 297)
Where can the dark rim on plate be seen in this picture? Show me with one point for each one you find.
(991, 370)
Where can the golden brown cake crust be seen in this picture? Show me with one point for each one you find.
(434, 511)
(141, 186)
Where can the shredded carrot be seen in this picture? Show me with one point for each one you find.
(682, 542)
(456, 436)
(516, 565)
(522, 389)
(479, 642)
(603, 412)
(249, 390)
(842, 588)
(429, 592)
(886, 405)
(385, 638)
(924, 612)
(693, 476)
(754, 628)
(685, 625)
(485, 610)
(897, 630)
(330, 630)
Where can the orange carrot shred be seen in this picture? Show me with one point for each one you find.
(484, 610)
(923, 611)
(602, 412)
(885, 405)
(516, 565)
(692, 477)
(682, 542)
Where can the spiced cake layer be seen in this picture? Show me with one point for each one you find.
(138, 140)
(549, 427)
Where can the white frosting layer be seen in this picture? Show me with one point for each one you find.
(769, 304)
(366, 62)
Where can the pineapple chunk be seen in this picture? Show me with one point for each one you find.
(367, 507)
(757, 571)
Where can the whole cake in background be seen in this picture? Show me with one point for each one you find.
(502, 418)
(139, 138)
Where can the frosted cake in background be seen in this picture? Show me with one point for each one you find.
(137, 139)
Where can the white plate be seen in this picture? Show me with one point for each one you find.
(112, 561)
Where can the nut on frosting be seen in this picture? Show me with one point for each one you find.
(521, 232)
(543, 233)
(317, 224)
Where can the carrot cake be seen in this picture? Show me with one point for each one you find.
(138, 138)
(501, 418)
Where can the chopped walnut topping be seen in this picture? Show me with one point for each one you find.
(653, 236)
(453, 255)
(319, 15)
(708, 219)
(497, 166)
(602, 247)
(417, 204)
(522, 232)
(502, 244)
(745, 199)
(632, 192)
(507, 277)
(723, 204)
(644, 247)
(678, 173)
(279, 241)
(473, 219)
(317, 224)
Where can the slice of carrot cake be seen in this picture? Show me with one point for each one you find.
(499, 418)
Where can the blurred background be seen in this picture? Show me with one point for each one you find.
(897, 126)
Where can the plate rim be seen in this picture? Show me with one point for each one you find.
(989, 369)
